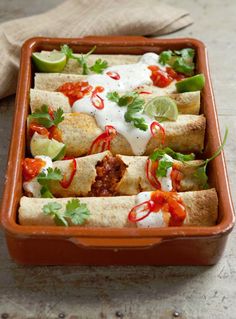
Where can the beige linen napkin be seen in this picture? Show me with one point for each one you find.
(76, 18)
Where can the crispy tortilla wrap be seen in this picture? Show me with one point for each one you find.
(187, 103)
(79, 130)
(104, 175)
(201, 208)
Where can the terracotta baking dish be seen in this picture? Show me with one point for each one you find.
(96, 246)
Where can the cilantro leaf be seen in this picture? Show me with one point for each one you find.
(180, 60)
(165, 56)
(99, 66)
(134, 105)
(58, 116)
(201, 176)
(78, 213)
(113, 96)
(159, 153)
(42, 116)
(200, 173)
(181, 66)
(82, 59)
(52, 209)
(67, 51)
(51, 175)
(75, 212)
(45, 178)
(163, 166)
(45, 192)
(165, 157)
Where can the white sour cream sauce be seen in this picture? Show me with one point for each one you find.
(33, 185)
(131, 77)
(166, 182)
(153, 219)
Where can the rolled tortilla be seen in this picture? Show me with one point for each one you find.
(73, 67)
(187, 103)
(132, 172)
(79, 130)
(52, 81)
(201, 208)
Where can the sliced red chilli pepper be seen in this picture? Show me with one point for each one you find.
(103, 141)
(147, 207)
(65, 183)
(96, 100)
(113, 75)
(151, 174)
(157, 126)
(145, 92)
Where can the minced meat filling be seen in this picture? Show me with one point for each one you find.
(109, 172)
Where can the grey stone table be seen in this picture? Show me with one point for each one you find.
(133, 292)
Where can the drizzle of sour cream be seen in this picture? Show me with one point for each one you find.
(33, 187)
(131, 76)
(153, 219)
(166, 181)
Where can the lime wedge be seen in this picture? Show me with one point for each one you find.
(195, 83)
(53, 61)
(44, 146)
(162, 108)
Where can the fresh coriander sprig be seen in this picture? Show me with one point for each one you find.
(159, 153)
(163, 165)
(42, 116)
(76, 213)
(165, 157)
(180, 60)
(134, 105)
(97, 67)
(44, 178)
(200, 173)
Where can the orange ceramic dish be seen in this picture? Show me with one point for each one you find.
(50, 245)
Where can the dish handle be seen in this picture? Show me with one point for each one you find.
(116, 243)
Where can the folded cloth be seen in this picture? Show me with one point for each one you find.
(74, 18)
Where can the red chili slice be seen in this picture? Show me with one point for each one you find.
(113, 75)
(147, 206)
(145, 92)
(103, 141)
(151, 174)
(65, 183)
(31, 167)
(156, 125)
(96, 100)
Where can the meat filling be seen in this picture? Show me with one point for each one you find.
(109, 172)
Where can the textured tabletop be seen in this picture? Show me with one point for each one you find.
(133, 292)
